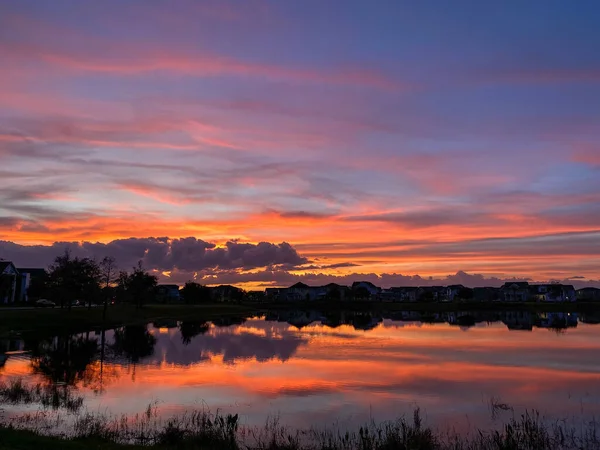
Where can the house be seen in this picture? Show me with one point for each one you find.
(273, 294)
(365, 290)
(516, 291)
(486, 294)
(27, 277)
(298, 291)
(588, 294)
(405, 293)
(387, 295)
(256, 296)
(427, 294)
(553, 292)
(226, 293)
(168, 293)
(452, 292)
(334, 292)
(8, 282)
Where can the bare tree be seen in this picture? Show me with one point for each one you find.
(108, 268)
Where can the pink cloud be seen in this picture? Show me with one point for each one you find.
(131, 60)
(587, 154)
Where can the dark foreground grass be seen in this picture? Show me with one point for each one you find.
(13, 439)
(202, 430)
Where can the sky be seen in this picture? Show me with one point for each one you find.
(266, 142)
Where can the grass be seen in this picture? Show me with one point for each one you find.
(203, 430)
(13, 439)
(15, 391)
(46, 321)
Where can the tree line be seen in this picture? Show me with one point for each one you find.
(72, 279)
(88, 281)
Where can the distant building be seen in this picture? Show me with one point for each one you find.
(367, 287)
(588, 294)
(274, 294)
(27, 276)
(516, 291)
(404, 293)
(8, 282)
(486, 294)
(226, 293)
(427, 294)
(553, 292)
(256, 296)
(453, 291)
(168, 293)
(298, 291)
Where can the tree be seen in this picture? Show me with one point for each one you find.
(108, 272)
(121, 293)
(195, 293)
(134, 342)
(141, 286)
(64, 359)
(73, 279)
(191, 329)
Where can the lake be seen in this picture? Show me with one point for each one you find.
(314, 369)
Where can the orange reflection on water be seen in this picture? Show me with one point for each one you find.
(317, 373)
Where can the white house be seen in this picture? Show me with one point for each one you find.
(452, 291)
(8, 281)
(553, 293)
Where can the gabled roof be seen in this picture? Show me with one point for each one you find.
(299, 285)
(521, 284)
(588, 289)
(5, 264)
(225, 287)
(368, 283)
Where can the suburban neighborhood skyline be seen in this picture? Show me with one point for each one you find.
(248, 266)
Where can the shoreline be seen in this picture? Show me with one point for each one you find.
(19, 321)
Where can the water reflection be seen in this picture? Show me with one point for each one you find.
(317, 367)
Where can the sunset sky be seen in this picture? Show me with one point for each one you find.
(265, 142)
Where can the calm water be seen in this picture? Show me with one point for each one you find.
(309, 369)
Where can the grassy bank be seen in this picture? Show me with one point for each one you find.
(11, 439)
(81, 319)
(201, 430)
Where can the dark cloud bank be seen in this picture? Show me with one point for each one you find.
(265, 263)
